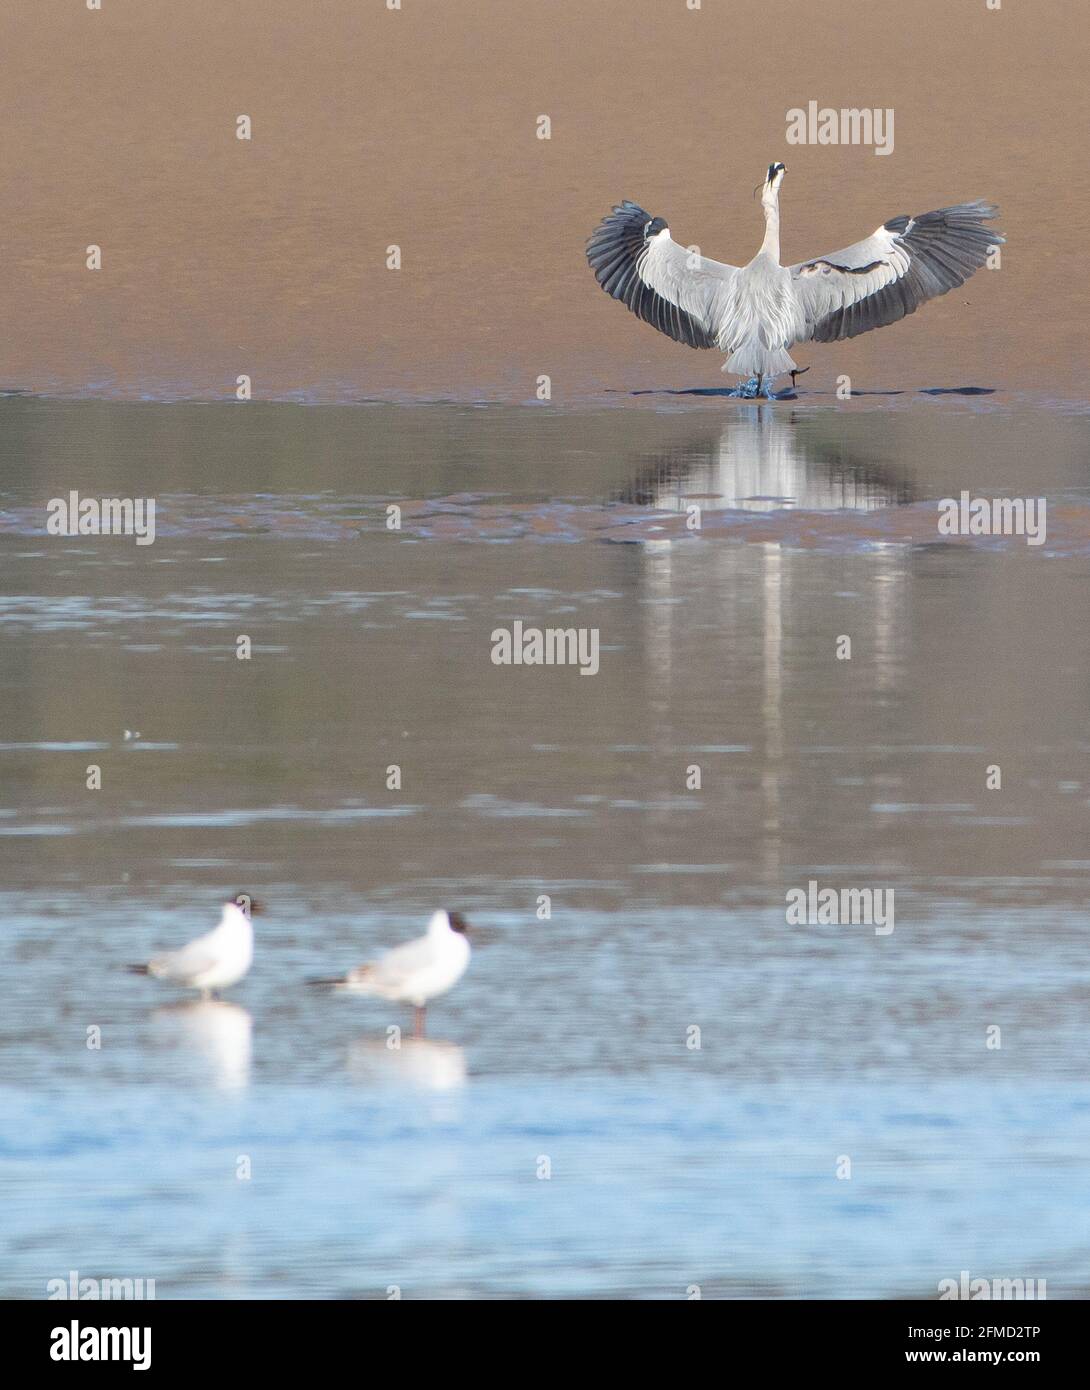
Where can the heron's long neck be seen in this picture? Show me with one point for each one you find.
(771, 244)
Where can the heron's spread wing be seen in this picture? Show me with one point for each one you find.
(680, 293)
(902, 265)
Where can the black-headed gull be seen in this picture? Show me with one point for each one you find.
(214, 961)
(416, 972)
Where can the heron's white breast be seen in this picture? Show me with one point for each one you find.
(759, 306)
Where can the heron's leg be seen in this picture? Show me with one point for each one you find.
(418, 1022)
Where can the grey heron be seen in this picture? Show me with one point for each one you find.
(757, 311)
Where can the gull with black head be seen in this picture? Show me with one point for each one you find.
(415, 972)
(214, 961)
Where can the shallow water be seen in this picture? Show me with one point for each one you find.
(567, 1040)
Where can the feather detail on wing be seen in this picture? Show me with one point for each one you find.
(889, 274)
(679, 292)
(391, 972)
(187, 964)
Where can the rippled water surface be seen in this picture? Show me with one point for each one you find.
(568, 1046)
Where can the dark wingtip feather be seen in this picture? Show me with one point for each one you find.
(615, 250)
(946, 247)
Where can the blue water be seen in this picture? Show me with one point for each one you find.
(656, 1184)
(555, 1135)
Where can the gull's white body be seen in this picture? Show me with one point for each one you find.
(416, 972)
(216, 960)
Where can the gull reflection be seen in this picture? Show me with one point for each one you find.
(763, 460)
(420, 1063)
(216, 1032)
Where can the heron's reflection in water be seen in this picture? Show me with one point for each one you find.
(763, 459)
(215, 1033)
(754, 609)
(418, 1063)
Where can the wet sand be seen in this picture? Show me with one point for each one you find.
(417, 128)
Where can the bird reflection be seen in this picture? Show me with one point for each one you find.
(216, 1033)
(763, 460)
(419, 1063)
(760, 597)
